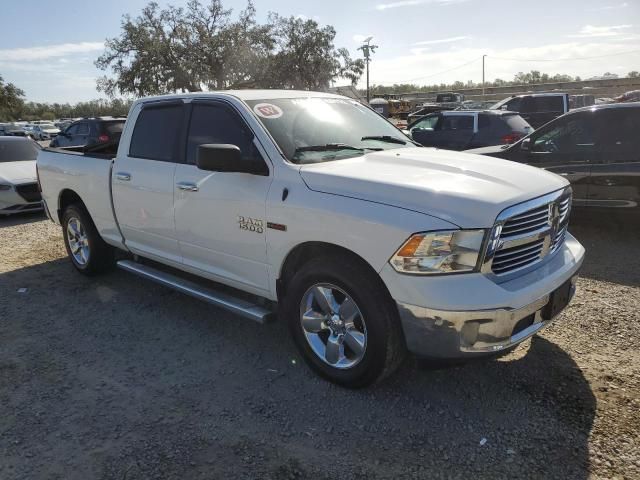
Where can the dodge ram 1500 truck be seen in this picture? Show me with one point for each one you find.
(313, 206)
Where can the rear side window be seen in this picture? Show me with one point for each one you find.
(217, 124)
(83, 129)
(548, 104)
(516, 123)
(457, 122)
(113, 127)
(618, 138)
(155, 136)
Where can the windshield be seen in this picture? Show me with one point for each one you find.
(16, 151)
(47, 126)
(319, 129)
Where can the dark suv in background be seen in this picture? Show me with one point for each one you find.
(89, 132)
(463, 129)
(596, 148)
(536, 108)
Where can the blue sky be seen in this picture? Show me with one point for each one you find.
(50, 54)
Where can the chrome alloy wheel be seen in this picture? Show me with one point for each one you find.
(333, 325)
(78, 241)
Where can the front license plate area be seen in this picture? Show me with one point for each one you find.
(558, 300)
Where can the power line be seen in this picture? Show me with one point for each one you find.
(440, 73)
(561, 59)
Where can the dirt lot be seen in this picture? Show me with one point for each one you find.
(118, 378)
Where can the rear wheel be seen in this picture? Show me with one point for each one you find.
(343, 321)
(88, 252)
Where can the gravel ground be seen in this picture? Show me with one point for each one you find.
(118, 378)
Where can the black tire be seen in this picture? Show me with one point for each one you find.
(101, 255)
(385, 347)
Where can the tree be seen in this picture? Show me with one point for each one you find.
(306, 57)
(10, 100)
(633, 74)
(204, 47)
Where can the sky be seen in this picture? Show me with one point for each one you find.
(48, 48)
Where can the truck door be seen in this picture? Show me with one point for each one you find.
(566, 147)
(221, 216)
(456, 131)
(142, 180)
(615, 176)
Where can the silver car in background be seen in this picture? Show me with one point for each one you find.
(19, 190)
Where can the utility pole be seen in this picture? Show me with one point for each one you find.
(483, 77)
(367, 50)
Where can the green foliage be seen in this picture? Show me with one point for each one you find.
(633, 74)
(202, 46)
(50, 111)
(10, 100)
(520, 78)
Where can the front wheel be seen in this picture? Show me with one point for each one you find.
(87, 250)
(343, 321)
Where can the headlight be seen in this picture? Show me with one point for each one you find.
(5, 187)
(449, 251)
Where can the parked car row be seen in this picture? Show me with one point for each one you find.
(596, 148)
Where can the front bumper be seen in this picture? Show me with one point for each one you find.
(12, 202)
(442, 325)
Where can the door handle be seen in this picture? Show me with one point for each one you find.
(187, 186)
(125, 177)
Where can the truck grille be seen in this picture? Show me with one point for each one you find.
(525, 234)
(29, 191)
(507, 259)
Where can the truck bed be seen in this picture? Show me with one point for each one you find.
(64, 172)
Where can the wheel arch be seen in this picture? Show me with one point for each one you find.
(67, 197)
(303, 252)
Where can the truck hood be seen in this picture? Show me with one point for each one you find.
(15, 173)
(493, 150)
(466, 190)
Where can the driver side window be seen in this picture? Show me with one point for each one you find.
(570, 136)
(219, 125)
(428, 122)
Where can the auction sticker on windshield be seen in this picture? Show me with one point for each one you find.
(267, 110)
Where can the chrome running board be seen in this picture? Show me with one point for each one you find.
(239, 306)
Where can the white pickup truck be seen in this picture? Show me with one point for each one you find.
(314, 206)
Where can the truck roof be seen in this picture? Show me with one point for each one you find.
(244, 95)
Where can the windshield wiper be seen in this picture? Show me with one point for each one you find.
(327, 148)
(385, 138)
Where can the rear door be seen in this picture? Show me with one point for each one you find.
(456, 131)
(615, 176)
(566, 147)
(221, 216)
(143, 187)
(81, 135)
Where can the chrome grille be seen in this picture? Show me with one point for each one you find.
(507, 259)
(526, 223)
(527, 233)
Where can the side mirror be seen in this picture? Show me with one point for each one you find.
(223, 157)
(525, 144)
